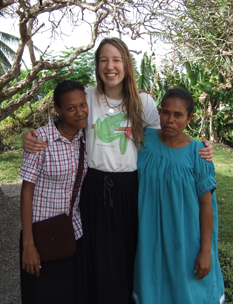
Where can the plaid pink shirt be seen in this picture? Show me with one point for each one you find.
(53, 171)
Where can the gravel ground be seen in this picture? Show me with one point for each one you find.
(9, 243)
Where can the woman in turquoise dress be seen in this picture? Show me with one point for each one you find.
(177, 255)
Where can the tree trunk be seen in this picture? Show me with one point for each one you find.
(203, 122)
(213, 134)
(1, 144)
(3, 147)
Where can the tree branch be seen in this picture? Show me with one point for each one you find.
(126, 17)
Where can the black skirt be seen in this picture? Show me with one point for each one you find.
(105, 259)
(55, 284)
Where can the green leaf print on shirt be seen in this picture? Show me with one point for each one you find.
(105, 130)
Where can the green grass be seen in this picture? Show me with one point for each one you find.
(225, 254)
(10, 163)
(223, 160)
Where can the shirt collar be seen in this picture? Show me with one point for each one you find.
(54, 135)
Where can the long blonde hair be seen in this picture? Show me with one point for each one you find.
(132, 100)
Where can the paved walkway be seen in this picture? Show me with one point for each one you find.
(9, 243)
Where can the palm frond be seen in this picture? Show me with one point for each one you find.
(1, 70)
(9, 38)
(4, 63)
(6, 50)
(162, 36)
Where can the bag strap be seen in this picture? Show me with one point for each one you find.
(79, 175)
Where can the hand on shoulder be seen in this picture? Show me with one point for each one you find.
(30, 142)
(208, 152)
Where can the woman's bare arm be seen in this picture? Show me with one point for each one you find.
(203, 261)
(30, 255)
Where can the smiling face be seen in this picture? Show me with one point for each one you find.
(73, 110)
(111, 68)
(174, 117)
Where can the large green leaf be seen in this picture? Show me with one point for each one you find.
(221, 78)
(191, 74)
(136, 72)
(146, 70)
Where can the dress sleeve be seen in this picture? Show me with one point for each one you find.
(204, 174)
(151, 115)
(31, 165)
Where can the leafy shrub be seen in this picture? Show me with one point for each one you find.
(29, 116)
(225, 254)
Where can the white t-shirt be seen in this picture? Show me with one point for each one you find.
(108, 146)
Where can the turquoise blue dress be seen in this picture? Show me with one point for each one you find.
(170, 183)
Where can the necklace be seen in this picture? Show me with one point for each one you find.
(65, 131)
(112, 109)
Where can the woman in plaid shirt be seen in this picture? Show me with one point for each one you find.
(48, 180)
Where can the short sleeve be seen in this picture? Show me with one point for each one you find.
(204, 174)
(151, 115)
(32, 163)
(31, 166)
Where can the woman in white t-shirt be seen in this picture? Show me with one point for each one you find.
(118, 115)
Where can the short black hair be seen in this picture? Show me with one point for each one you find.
(64, 87)
(181, 94)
